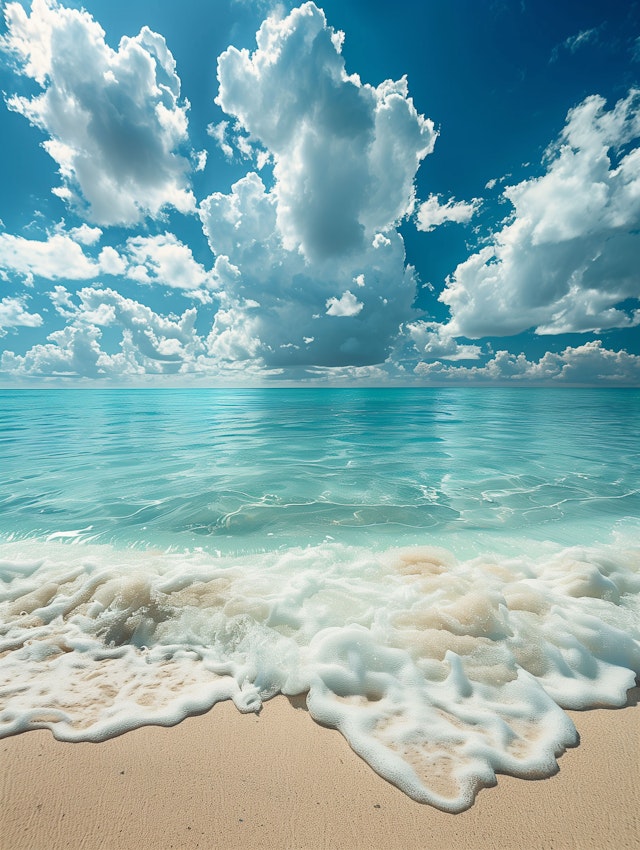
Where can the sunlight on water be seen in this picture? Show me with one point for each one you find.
(251, 470)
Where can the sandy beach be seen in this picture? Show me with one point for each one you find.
(279, 780)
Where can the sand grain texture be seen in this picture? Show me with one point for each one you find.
(278, 780)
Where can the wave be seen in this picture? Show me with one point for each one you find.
(440, 672)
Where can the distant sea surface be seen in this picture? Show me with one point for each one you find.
(441, 571)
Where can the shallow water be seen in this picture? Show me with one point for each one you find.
(442, 571)
(254, 470)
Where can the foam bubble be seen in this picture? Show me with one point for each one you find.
(440, 673)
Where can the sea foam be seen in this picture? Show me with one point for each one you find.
(440, 672)
(161, 551)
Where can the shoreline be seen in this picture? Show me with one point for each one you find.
(279, 780)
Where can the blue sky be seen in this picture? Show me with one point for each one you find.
(236, 192)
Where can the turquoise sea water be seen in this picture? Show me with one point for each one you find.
(253, 470)
(441, 571)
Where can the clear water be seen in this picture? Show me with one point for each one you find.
(440, 571)
(253, 470)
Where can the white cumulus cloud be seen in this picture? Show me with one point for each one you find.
(344, 155)
(86, 235)
(166, 261)
(14, 313)
(346, 305)
(431, 213)
(58, 256)
(432, 342)
(272, 298)
(148, 344)
(114, 118)
(111, 262)
(589, 364)
(567, 260)
(161, 260)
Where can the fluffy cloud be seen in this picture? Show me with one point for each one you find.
(431, 213)
(568, 258)
(111, 262)
(344, 156)
(432, 342)
(70, 353)
(86, 235)
(166, 261)
(154, 338)
(346, 305)
(58, 256)
(161, 260)
(588, 364)
(276, 306)
(114, 119)
(148, 343)
(14, 313)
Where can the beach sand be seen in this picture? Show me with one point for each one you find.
(279, 780)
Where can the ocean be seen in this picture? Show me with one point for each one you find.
(441, 571)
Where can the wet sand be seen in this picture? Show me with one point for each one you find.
(279, 780)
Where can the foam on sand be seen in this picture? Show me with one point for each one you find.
(439, 672)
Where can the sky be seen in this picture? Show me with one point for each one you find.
(239, 192)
